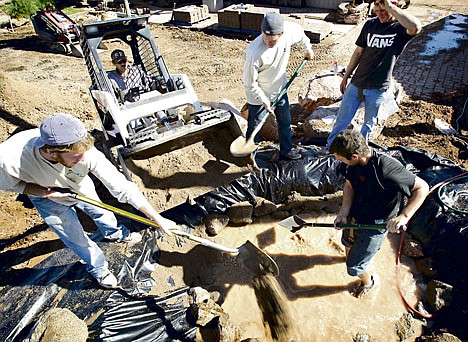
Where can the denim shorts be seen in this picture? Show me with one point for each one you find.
(363, 244)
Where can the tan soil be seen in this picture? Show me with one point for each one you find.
(35, 83)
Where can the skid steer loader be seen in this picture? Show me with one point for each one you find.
(56, 28)
(162, 109)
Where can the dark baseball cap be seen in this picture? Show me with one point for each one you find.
(61, 129)
(118, 55)
(272, 24)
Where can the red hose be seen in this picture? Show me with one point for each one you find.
(400, 290)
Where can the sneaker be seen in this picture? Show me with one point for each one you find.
(133, 237)
(291, 155)
(108, 281)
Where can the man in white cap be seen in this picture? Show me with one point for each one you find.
(266, 59)
(51, 163)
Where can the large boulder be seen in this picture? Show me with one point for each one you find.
(321, 121)
(60, 325)
(321, 90)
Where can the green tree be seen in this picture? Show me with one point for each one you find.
(24, 8)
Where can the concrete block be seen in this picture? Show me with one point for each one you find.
(230, 16)
(251, 19)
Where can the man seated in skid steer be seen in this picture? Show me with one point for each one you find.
(128, 81)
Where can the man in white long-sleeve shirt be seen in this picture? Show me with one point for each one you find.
(266, 59)
(51, 163)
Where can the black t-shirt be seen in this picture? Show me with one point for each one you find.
(382, 43)
(379, 188)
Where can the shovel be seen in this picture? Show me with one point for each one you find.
(242, 147)
(295, 223)
(250, 255)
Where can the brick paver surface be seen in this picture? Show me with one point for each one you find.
(431, 76)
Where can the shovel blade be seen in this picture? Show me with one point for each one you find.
(293, 223)
(242, 147)
(256, 260)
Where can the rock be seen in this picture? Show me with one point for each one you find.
(320, 122)
(205, 312)
(349, 13)
(216, 296)
(5, 20)
(438, 294)
(412, 248)
(315, 204)
(280, 214)
(215, 324)
(362, 337)
(404, 327)
(443, 337)
(215, 223)
(294, 201)
(228, 332)
(59, 325)
(263, 207)
(321, 90)
(190, 200)
(240, 213)
(198, 295)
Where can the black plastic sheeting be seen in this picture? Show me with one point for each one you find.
(147, 319)
(315, 175)
(61, 281)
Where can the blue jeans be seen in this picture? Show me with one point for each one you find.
(373, 99)
(63, 220)
(363, 244)
(283, 117)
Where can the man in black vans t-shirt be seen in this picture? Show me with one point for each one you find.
(381, 41)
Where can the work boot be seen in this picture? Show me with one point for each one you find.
(108, 281)
(291, 155)
(132, 237)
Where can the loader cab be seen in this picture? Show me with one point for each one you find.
(161, 109)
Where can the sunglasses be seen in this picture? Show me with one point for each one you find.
(123, 61)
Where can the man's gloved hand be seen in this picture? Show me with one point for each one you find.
(309, 54)
(268, 107)
(131, 95)
(167, 225)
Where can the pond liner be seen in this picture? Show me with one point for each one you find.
(131, 314)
